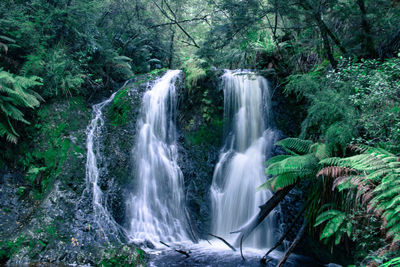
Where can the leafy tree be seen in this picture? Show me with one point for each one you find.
(358, 101)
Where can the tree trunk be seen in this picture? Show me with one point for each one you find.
(264, 259)
(327, 48)
(171, 48)
(265, 209)
(293, 245)
(368, 43)
(325, 33)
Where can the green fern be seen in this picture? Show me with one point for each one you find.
(194, 71)
(288, 169)
(337, 224)
(392, 263)
(377, 180)
(15, 94)
(295, 145)
(61, 76)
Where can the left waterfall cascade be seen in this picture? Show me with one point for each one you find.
(103, 218)
(156, 210)
(155, 206)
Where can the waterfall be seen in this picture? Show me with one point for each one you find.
(156, 206)
(240, 170)
(102, 216)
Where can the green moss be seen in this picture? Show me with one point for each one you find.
(121, 108)
(210, 134)
(6, 209)
(21, 191)
(124, 256)
(155, 73)
(9, 248)
(55, 142)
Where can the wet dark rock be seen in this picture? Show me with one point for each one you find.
(199, 143)
(15, 205)
(289, 111)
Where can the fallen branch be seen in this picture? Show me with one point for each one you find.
(223, 240)
(192, 231)
(277, 244)
(293, 245)
(177, 250)
(265, 210)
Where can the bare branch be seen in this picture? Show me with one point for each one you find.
(223, 240)
(177, 250)
(293, 245)
(175, 21)
(181, 21)
(277, 244)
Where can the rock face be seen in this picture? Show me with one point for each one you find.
(55, 227)
(200, 139)
(16, 209)
(59, 224)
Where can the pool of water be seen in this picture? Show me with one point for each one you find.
(216, 253)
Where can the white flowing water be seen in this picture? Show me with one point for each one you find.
(240, 170)
(103, 217)
(156, 207)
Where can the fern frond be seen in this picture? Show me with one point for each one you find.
(15, 95)
(295, 145)
(280, 181)
(335, 220)
(334, 161)
(336, 171)
(326, 215)
(277, 159)
(320, 151)
(293, 164)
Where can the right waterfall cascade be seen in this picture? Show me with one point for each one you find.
(249, 138)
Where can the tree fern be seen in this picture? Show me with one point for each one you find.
(375, 174)
(295, 145)
(302, 163)
(15, 94)
(287, 170)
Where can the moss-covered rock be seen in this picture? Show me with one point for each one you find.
(200, 128)
(125, 255)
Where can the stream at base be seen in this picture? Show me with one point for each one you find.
(218, 254)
